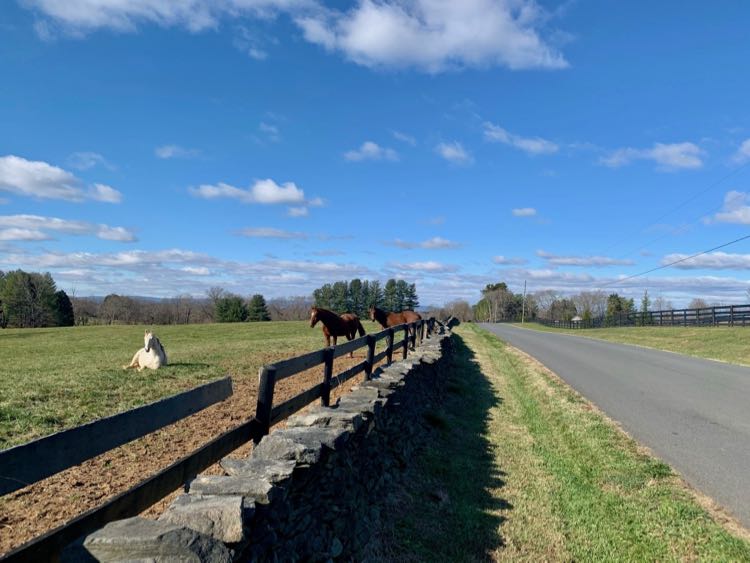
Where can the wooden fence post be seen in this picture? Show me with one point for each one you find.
(390, 340)
(265, 399)
(325, 394)
(406, 340)
(370, 356)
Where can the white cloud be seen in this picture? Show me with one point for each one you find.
(371, 151)
(403, 137)
(102, 192)
(669, 157)
(735, 210)
(266, 192)
(197, 270)
(711, 261)
(35, 178)
(507, 261)
(37, 227)
(298, 211)
(595, 261)
(435, 35)
(454, 152)
(530, 145)
(175, 151)
(433, 243)
(428, 266)
(743, 153)
(524, 212)
(23, 235)
(86, 160)
(269, 232)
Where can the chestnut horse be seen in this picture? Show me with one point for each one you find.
(392, 319)
(336, 325)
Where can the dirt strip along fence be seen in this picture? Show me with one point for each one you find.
(21, 461)
(725, 315)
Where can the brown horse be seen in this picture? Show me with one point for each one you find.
(335, 325)
(386, 319)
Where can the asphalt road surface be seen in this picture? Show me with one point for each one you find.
(693, 413)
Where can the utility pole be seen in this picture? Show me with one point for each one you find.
(523, 303)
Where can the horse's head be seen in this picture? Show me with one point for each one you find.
(371, 313)
(149, 340)
(313, 316)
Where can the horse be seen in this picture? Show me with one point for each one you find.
(386, 319)
(152, 355)
(335, 325)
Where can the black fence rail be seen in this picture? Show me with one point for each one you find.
(150, 491)
(725, 315)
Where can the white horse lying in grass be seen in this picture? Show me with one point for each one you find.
(151, 356)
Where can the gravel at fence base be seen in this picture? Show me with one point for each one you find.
(345, 461)
(32, 511)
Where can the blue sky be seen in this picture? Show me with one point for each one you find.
(160, 148)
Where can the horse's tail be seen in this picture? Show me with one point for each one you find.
(360, 328)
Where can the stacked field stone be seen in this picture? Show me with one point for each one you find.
(311, 491)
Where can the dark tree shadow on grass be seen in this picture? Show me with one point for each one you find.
(448, 511)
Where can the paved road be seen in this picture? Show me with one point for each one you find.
(693, 413)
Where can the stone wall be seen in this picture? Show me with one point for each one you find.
(317, 490)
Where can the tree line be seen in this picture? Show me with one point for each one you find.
(31, 300)
(357, 296)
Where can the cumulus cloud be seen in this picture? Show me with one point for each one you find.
(529, 145)
(298, 211)
(265, 192)
(735, 209)
(668, 157)
(175, 151)
(710, 261)
(38, 227)
(743, 153)
(596, 261)
(38, 179)
(371, 151)
(432, 243)
(454, 152)
(430, 35)
(269, 232)
(524, 212)
(507, 261)
(436, 35)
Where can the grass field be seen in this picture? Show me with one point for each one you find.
(726, 344)
(56, 378)
(524, 469)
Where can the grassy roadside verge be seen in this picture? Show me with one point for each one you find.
(525, 469)
(726, 344)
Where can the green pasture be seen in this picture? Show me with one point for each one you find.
(524, 469)
(57, 378)
(723, 343)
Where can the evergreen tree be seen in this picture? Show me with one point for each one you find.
(323, 297)
(402, 290)
(645, 306)
(230, 309)
(375, 296)
(63, 310)
(28, 300)
(357, 297)
(340, 297)
(390, 296)
(412, 299)
(257, 309)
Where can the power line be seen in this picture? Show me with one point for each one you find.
(678, 206)
(676, 261)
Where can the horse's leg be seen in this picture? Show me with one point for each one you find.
(350, 336)
(134, 362)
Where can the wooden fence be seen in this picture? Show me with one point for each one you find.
(726, 315)
(147, 493)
